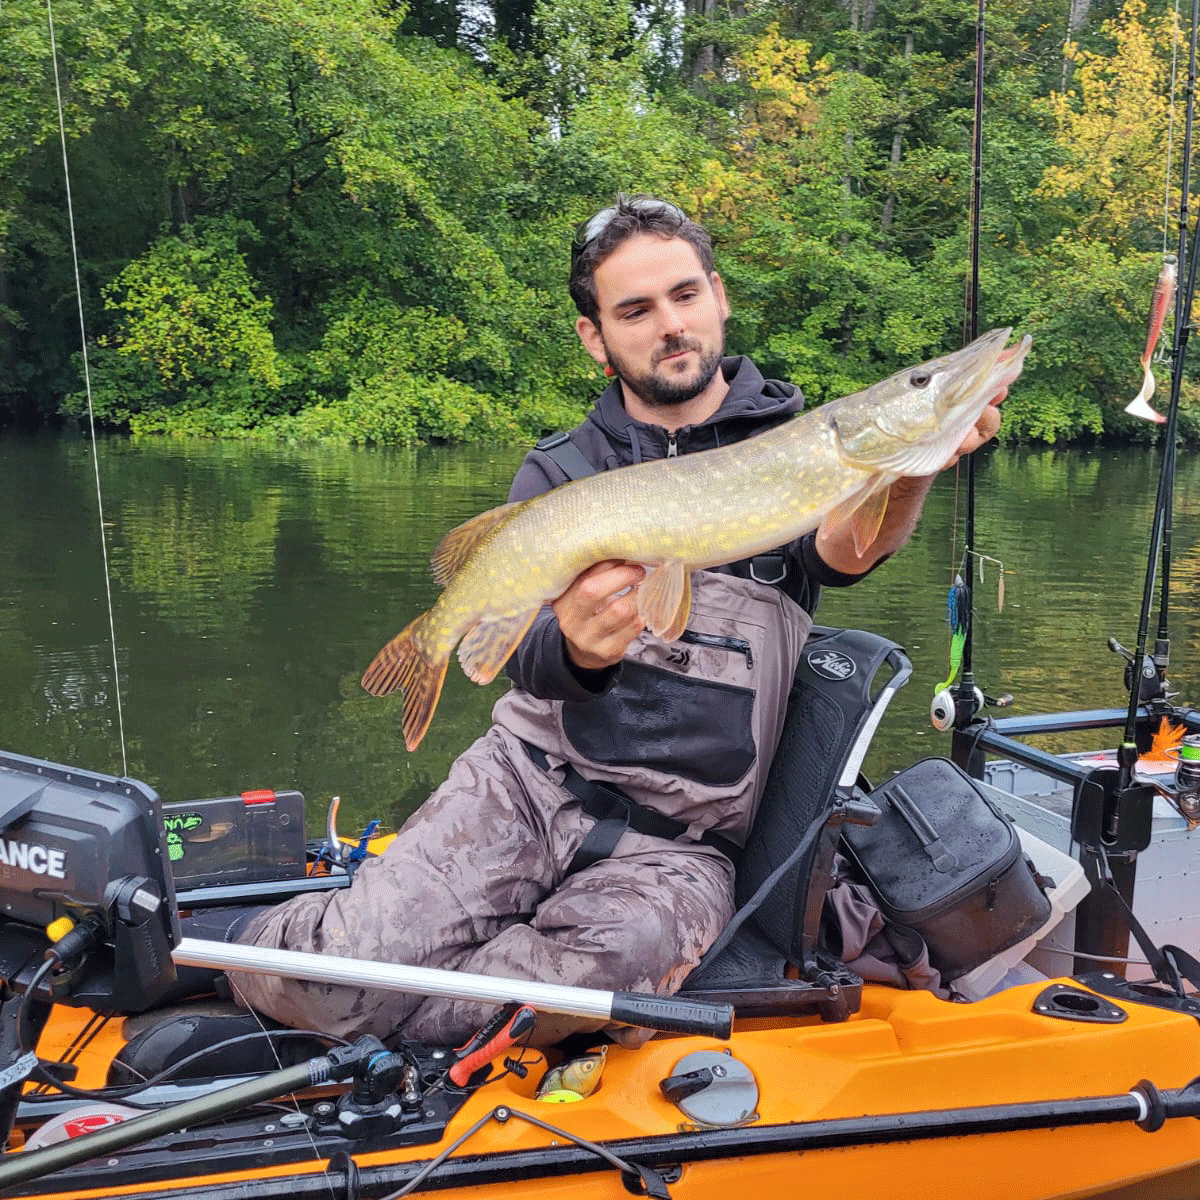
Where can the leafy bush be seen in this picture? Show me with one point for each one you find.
(190, 310)
(400, 409)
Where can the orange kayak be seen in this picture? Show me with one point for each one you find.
(1005, 1097)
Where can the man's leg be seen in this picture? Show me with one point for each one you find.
(635, 923)
(477, 856)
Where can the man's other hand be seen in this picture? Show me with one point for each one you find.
(983, 430)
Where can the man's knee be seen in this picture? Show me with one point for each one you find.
(641, 920)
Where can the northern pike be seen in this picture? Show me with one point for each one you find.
(1160, 300)
(829, 466)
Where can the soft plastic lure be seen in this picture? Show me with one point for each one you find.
(1160, 301)
(958, 615)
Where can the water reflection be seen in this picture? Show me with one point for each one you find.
(251, 585)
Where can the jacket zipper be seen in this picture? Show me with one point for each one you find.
(720, 642)
(672, 446)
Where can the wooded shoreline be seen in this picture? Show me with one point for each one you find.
(350, 221)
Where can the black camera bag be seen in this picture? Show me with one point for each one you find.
(944, 860)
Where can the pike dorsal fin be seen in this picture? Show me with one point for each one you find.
(488, 645)
(460, 543)
(863, 515)
(665, 600)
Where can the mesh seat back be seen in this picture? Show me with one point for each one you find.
(830, 720)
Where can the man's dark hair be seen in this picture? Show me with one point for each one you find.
(599, 236)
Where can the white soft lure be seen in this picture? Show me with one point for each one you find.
(1160, 301)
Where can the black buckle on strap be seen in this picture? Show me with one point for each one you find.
(607, 804)
(768, 568)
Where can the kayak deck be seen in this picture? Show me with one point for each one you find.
(825, 1114)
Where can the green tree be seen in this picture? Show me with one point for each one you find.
(1090, 274)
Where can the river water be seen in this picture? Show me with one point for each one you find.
(252, 584)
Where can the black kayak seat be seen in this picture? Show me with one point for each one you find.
(769, 960)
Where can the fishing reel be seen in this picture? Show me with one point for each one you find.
(943, 711)
(945, 707)
(1151, 686)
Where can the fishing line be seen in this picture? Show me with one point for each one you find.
(954, 518)
(87, 383)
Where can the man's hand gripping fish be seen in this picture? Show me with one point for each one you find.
(830, 466)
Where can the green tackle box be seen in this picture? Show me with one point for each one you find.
(256, 836)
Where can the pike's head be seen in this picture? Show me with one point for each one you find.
(913, 422)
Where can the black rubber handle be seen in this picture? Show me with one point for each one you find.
(673, 1015)
(680, 1087)
(943, 860)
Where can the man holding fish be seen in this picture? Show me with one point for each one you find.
(651, 618)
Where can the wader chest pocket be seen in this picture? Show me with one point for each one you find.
(720, 641)
(697, 729)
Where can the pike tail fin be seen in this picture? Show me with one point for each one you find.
(401, 664)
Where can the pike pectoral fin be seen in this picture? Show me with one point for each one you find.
(665, 600)
(489, 644)
(862, 514)
(459, 544)
(401, 664)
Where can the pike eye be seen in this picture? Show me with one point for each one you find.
(919, 378)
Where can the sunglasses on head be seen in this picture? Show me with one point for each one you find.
(593, 227)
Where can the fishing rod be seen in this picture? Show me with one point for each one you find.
(1162, 645)
(956, 707)
(1146, 1106)
(965, 699)
(1160, 538)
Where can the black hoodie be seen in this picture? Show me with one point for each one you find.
(611, 438)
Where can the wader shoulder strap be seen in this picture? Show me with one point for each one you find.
(614, 812)
(566, 456)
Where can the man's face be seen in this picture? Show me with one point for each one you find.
(661, 319)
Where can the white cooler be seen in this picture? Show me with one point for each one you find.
(1010, 967)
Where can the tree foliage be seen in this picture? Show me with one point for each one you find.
(349, 221)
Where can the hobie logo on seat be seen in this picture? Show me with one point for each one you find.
(831, 664)
(29, 856)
